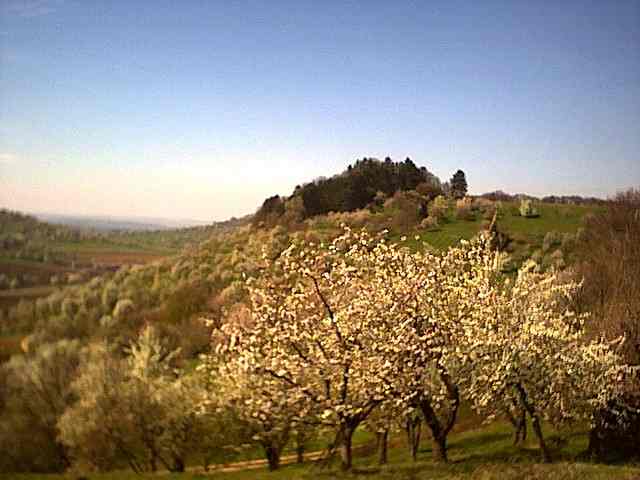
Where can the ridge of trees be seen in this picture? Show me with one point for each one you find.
(502, 196)
(353, 189)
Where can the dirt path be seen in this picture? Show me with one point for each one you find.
(261, 463)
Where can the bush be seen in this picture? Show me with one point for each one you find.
(527, 209)
(438, 208)
(122, 308)
(429, 190)
(135, 410)
(463, 209)
(407, 209)
(551, 239)
(608, 259)
(429, 223)
(37, 392)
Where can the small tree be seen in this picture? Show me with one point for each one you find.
(458, 185)
(37, 393)
(527, 209)
(438, 208)
(134, 410)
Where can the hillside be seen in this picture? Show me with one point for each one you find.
(194, 271)
(174, 279)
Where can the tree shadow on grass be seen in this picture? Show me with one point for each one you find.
(474, 442)
(507, 456)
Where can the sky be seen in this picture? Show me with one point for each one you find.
(201, 109)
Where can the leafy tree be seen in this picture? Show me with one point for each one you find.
(272, 208)
(321, 352)
(37, 393)
(134, 410)
(527, 209)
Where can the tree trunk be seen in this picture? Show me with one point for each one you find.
(535, 421)
(414, 428)
(439, 449)
(383, 447)
(546, 455)
(178, 464)
(519, 422)
(522, 427)
(300, 441)
(273, 457)
(345, 448)
(441, 428)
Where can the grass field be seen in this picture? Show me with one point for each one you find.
(110, 253)
(99, 246)
(526, 233)
(486, 453)
(12, 297)
(87, 255)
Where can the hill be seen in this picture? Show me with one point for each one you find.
(172, 279)
(113, 223)
(199, 270)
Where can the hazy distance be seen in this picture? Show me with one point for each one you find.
(202, 111)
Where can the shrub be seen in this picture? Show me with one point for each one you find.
(122, 308)
(407, 209)
(134, 409)
(527, 209)
(429, 190)
(438, 208)
(551, 239)
(608, 259)
(109, 296)
(429, 223)
(463, 209)
(37, 392)
(484, 205)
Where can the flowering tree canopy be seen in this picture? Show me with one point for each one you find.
(338, 329)
(529, 350)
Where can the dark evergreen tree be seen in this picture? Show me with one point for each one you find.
(458, 185)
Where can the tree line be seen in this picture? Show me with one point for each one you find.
(356, 188)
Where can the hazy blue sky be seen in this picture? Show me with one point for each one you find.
(201, 109)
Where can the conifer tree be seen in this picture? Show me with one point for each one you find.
(458, 185)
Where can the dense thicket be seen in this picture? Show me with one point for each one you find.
(608, 259)
(353, 189)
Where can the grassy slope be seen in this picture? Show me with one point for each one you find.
(485, 453)
(525, 232)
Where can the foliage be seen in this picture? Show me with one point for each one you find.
(607, 257)
(337, 330)
(438, 208)
(37, 391)
(464, 209)
(458, 185)
(527, 210)
(526, 347)
(134, 409)
(356, 188)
